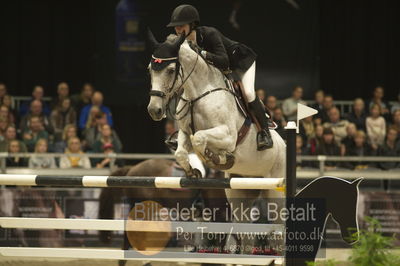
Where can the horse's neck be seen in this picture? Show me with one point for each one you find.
(203, 77)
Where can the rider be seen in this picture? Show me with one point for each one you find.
(224, 53)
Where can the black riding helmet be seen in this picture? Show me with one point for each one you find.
(184, 14)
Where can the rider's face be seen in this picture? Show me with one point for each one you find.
(182, 29)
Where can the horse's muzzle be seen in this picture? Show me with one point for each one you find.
(156, 114)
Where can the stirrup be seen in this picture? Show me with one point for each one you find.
(264, 140)
(172, 142)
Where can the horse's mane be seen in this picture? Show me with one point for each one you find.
(171, 38)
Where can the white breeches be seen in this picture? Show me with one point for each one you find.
(248, 80)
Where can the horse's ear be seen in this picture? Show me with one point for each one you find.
(357, 181)
(151, 39)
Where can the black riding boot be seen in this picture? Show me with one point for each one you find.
(264, 140)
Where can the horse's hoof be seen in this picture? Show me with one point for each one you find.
(216, 160)
(195, 173)
(230, 161)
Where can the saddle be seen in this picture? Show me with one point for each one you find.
(237, 88)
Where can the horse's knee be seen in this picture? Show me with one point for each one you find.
(181, 155)
(199, 140)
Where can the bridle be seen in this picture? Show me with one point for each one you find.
(178, 73)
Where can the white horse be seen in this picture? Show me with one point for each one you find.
(209, 118)
(215, 116)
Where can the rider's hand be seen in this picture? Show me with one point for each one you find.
(198, 50)
(195, 47)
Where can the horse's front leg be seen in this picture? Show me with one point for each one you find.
(182, 155)
(215, 144)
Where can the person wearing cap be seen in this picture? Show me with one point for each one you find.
(224, 54)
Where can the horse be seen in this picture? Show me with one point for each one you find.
(331, 197)
(168, 198)
(209, 119)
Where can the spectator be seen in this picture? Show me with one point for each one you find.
(169, 128)
(289, 106)
(396, 121)
(261, 95)
(83, 98)
(271, 104)
(359, 147)
(280, 122)
(36, 109)
(91, 122)
(16, 161)
(35, 132)
(37, 94)
(106, 137)
(62, 93)
(317, 140)
(301, 149)
(94, 133)
(327, 105)
(328, 147)
(7, 101)
(396, 105)
(97, 100)
(376, 126)
(318, 105)
(38, 161)
(348, 141)
(358, 115)
(391, 147)
(9, 135)
(107, 148)
(309, 128)
(3, 92)
(74, 147)
(3, 126)
(377, 98)
(5, 113)
(337, 125)
(61, 116)
(68, 132)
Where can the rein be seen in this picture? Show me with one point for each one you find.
(191, 103)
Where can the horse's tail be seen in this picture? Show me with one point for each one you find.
(106, 203)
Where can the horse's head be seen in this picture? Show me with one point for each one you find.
(340, 198)
(344, 212)
(164, 70)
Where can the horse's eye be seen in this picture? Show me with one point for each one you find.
(171, 71)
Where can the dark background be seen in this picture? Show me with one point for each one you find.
(344, 47)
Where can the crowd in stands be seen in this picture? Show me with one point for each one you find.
(371, 128)
(70, 124)
(81, 124)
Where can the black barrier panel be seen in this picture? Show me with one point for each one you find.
(306, 218)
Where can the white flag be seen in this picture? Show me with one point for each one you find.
(304, 111)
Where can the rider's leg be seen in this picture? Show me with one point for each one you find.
(264, 140)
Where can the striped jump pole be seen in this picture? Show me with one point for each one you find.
(141, 182)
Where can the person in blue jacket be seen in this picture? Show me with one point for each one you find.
(97, 100)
